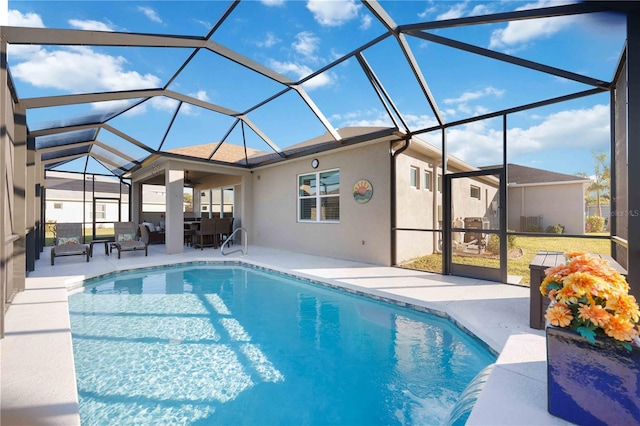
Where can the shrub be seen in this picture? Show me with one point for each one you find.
(555, 229)
(595, 224)
(534, 228)
(493, 246)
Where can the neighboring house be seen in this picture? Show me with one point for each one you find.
(545, 198)
(66, 193)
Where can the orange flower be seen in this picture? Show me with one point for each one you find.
(559, 315)
(624, 305)
(596, 314)
(590, 286)
(567, 295)
(620, 328)
(584, 283)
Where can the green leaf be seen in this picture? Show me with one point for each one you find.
(553, 286)
(588, 334)
(626, 345)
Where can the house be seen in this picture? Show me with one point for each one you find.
(535, 194)
(312, 204)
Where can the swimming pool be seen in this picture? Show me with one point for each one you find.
(207, 344)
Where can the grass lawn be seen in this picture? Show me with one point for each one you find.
(518, 266)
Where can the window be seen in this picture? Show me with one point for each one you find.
(413, 177)
(439, 183)
(319, 196)
(204, 208)
(57, 205)
(427, 180)
(100, 213)
(187, 204)
(475, 192)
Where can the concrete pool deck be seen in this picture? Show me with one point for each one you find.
(38, 376)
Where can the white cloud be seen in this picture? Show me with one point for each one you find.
(273, 2)
(333, 13)
(89, 25)
(112, 106)
(455, 11)
(479, 144)
(204, 23)
(18, 19)
(469, 96)
(462, 101)
(99, 72)
(201, 95)
(365, 22)
(378, 118)
(299, 71)
(150, 13)
(518, 33)
(306, 44)
(270, 40)
(162, 103)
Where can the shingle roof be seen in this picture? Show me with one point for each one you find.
(229, 153)
(521, 174)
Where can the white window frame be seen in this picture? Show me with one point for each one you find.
(318, 197)
(428, 176)
(479, 190)
(414, 177)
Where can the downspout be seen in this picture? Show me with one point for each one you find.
(394, 154)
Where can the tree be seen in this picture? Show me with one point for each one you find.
(600, 180)
(187, 202)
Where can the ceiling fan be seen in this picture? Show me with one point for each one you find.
(187, 181)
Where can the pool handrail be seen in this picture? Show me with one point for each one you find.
(246, 237)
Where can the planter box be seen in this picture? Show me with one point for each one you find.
(592, 384)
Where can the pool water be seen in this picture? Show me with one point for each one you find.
(235, 345)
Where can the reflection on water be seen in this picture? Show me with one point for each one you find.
(216, 344)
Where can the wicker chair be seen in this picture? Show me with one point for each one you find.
(224, 228)
(125, 238)
(68, 241)
(206, 235)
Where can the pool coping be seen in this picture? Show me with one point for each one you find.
(520, 363)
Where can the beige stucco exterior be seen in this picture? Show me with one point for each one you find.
(558, 203)
(363, 232)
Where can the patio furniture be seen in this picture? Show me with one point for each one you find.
(94, 242)
(206, 235)
(68, 241)
(224, 228)
(155, 236)
(126, 238)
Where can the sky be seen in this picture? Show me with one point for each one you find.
(297, 38)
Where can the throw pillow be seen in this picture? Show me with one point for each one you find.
(126, 237)
(66, 241)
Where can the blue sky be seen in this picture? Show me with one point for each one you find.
(296, 38)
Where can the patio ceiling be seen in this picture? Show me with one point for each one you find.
(278, 117)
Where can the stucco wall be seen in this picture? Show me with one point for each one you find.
(557, 204)
(363, 232)
(420, 208)
(417, 206)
